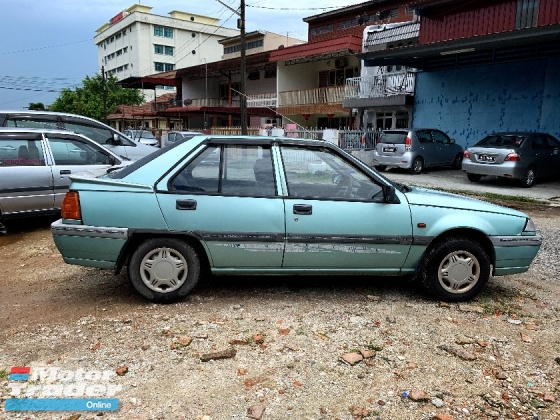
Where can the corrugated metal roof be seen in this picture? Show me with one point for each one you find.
(392, 34)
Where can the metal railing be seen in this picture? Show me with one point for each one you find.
(358, 139)
(262, 100)
(328, 95)
(380, 86)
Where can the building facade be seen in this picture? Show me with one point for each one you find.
(137, 43)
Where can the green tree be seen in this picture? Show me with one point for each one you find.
(87, 100)
(37, 106)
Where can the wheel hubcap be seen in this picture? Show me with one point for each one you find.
(163, 270)
(459, 272)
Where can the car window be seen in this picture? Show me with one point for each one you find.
(538, 143)
(322, 174)
(247, 171)
(393, 137)
(440, 137)
(552, 142)
(19, 151)
(171, 137)
(97, 133)
(34, 122)
(424, 137)
(68, 151)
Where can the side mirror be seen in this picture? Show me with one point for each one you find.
(116, 140)
(389, 194)
(452, 141)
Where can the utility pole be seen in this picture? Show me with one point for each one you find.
(243, 98)
(104, 93)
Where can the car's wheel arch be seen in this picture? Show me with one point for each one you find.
(138, 237)
(464, 233)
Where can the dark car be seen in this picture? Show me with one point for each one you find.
(514, 155)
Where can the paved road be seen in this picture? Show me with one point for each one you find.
(548, 190)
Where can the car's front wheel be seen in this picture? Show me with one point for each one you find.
(417, 165)
(456, 269)
(474, 177)
(164, 270)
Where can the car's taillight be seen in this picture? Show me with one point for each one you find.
(466, 154)
(407, 143)
(71, 206)
(513, 157)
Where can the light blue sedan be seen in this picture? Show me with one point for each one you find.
(265, 205)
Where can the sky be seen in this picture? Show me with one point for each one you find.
(46, 46)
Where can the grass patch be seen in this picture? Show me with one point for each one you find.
(496, 197)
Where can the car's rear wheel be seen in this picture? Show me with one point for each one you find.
(529, 178)
(381, 168)
(457, 162)
(164, 270)
(417, 165)
(456, 269)
(474, 177)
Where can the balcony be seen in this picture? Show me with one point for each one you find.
(318, 96)
(387, 89)
(259, 100)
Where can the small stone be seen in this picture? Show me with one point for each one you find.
(284, 331)
(526, 338)
(367, 354)
(501, 375)
(438, 402)
(514, 321)
(258, 339)
(238, 342)
(444, 305)
(462, 340)
(145, 347)
(471, 308)
(352, 358)
(482, 343)
(122, 370)
(458, 352)
(255, 412)
(418, 395)
(549, 398)
(224, 354)
(443, 417)
(391, 319)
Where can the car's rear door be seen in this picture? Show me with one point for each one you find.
(336, 218)
(26, 181)
(444, 150)
(230, 203)
(71, 155)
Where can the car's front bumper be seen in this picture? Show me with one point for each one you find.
(514, 254)
(90, 246)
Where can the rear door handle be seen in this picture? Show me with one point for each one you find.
(303, 209)
(185, 204)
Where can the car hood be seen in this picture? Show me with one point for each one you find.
(432, 198)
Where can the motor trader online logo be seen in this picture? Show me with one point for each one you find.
(55, 389)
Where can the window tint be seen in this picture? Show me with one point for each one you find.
(440, 137)
(68, 151)
(320, 173)
(247, 171)
(21, 152)
(496, 140)
(424, 137)
(393, 137)
(552, 142)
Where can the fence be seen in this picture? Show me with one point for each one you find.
(358, 139)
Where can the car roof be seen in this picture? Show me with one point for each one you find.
(185, 132)
(60, 114)
(514, 133)
(38, 130)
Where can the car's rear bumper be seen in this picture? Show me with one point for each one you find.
(90, 246)
(400, 161)
(507, 169)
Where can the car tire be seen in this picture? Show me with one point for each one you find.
(417, 166)
(164, 270)
(528, 178)
(380, 168)
(456, 270)
(457, 162)
(474, 177)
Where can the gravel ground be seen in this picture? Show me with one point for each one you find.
(285, 348)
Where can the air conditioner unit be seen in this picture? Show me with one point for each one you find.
(340, 63)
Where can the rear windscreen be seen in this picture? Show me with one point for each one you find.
(393, 138)
(497, 140)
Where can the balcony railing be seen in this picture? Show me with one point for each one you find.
(380, 86)
(260, 100)
(329, 95)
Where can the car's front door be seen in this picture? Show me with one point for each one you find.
(336, 217)
(26, 181)
(227, 197)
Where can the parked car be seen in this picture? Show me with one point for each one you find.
(416, 149)
(103, 134)
(514, 155)
(35, 168)
(174, 136)
(260, 209)
(142, 136)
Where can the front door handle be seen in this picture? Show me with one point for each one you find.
(65, 172)
(185, 204)
(303, 209)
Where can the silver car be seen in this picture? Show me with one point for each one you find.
(36, 165)
(515, 155)
(416, 149)
(142, 136)
(174, 136)
(94, 130)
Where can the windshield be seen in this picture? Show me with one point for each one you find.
(393, 137)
